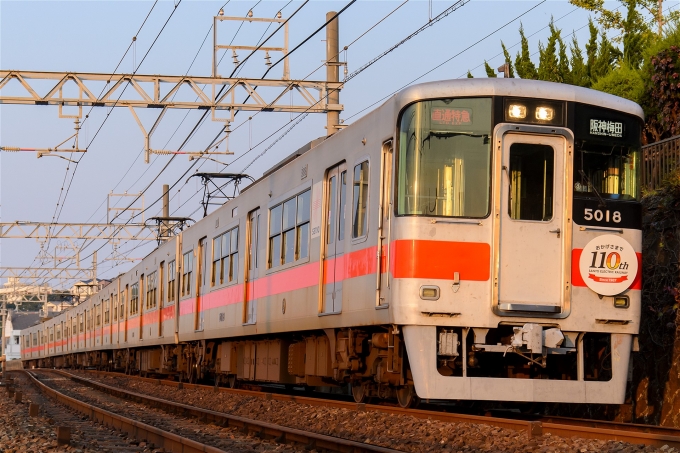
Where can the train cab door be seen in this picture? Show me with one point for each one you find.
(534, 232)
(384, 224)
(251, 267)
(336, 199)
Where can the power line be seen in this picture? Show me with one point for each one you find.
(451, 58)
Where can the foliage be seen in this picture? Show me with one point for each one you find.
(523, 65)
(663, 95)
(625, 82)
(489, 70)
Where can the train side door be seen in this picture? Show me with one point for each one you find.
(200, 283)
(336, 199)
(251, 267)
(535, 239)
(384, 224)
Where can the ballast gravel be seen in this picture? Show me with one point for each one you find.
(400, 432)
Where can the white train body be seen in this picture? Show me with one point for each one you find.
(441, 243)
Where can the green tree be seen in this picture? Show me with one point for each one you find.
(591, 51)
(579, 71)
(607, 58)
(508, 61)
(523, 65)
(625, 82)
(489, 70)
(563, 64)
(469, 75)
(548, 66)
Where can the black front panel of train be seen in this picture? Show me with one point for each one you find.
(590, 212)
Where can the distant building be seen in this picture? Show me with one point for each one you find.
(15, 323)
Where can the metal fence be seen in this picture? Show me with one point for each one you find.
(659, 160)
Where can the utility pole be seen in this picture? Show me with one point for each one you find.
(332, 68)
(166, 209)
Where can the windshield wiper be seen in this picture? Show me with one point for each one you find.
(603, 204)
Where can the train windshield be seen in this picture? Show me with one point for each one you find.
(444, 163)
(607, 171)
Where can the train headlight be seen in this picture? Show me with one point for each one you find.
(621, 302)
(429, 292)
(545, 113)
(517, 111)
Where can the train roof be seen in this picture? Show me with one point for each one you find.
(515, 88)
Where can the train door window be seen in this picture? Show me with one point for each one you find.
(160, 283)
(531, 182)
(99, 316)
(134, 299)
(114, 306)
(107, 311)
(360, 201)
(332, 208)
(171, 282)
(151, 283)
(187, 271)
(343, 203)
(275, 218)
(302, 224)
(121, 309)
(250, 271)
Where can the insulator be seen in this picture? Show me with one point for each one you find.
(10, 149)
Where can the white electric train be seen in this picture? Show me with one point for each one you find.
(467, 240)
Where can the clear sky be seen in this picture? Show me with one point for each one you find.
(92, 36)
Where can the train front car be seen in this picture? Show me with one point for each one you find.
(516, 240)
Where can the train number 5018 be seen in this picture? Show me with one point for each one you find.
(599, 216)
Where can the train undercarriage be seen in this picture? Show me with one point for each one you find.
(367, 362)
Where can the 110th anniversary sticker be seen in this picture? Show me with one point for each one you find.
(608, 265)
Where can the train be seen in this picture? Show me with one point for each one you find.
(470, 239)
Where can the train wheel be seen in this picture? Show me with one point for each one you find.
(406, 396)
(359, 393)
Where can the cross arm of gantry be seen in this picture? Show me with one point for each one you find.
(157, 91)
(40, 230)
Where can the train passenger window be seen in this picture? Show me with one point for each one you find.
(225, 258)
(187, 271)
(151, 283)
(444, 164)
(360, 201)
(531, 182)
(289, 230)
(134, 299)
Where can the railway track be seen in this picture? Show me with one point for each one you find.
(84, 434)
(177, 427)
(555, 426)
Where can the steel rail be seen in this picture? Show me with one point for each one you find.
(141, 431)
(281, 434)
(657, 436)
